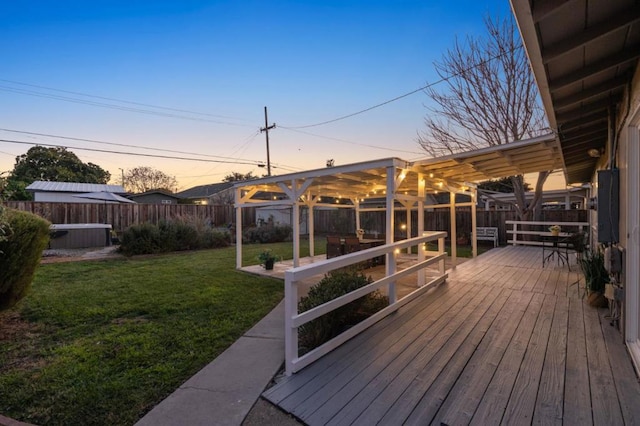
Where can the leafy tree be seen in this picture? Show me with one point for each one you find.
(143, 179)
(235, 177)
(56, 164)
(490, 99)
(51, 164)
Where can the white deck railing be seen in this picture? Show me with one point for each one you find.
(566, 229)
(294, 320)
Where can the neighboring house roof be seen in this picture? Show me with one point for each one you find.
(205, 191)
(155, 191)
(46, 186)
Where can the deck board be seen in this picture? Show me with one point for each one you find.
(549, 402)
(503, 341)
(577, 403)
(495, 399)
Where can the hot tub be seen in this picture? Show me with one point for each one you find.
(79, 235)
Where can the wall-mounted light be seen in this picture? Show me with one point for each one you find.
(594, 153)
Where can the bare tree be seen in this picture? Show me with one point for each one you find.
(143, 179)
(490, 99)
(224, 197)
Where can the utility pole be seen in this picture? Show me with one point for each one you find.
(266, 129)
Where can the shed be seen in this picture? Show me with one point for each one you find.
(65, 192)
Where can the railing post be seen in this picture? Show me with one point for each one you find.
(515, 233)
(290, 332)
(441, 250)
(390, 270)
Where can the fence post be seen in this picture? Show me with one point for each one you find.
(515, 233)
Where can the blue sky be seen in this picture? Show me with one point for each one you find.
(308, 61)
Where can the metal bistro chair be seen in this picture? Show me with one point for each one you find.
(334, 247)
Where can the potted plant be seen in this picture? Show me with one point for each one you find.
(555, 230)
(267, 259)
(595, 277)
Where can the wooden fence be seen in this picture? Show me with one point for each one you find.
(121, 216)
(339, 221)
(343, 220)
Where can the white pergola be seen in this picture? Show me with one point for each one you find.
(397, 182)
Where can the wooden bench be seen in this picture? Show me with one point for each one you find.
(487, 234)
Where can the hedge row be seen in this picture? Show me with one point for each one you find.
(172, 235)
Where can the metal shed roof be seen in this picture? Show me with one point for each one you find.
(46, 186)
(583, 54)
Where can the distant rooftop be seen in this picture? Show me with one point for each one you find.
(204, 191)
(45, 186)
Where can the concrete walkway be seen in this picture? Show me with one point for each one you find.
(223, 392)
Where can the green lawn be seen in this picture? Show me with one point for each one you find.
(102, 342)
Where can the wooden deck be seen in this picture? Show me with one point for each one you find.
(504, 341)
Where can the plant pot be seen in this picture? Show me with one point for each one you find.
(597, 300)
(268, 265)
(555, 233)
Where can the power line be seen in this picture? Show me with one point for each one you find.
(119, 144)
(121, 100)
(293, 129)
(116, 107)
(397, 98)
(250, 163)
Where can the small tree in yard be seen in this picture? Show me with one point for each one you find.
(490, 99)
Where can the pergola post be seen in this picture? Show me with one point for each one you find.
(296, 223)
(454, 244)
(238, 229)
(312, 246)
(408, 225)
(356, 204)
(390, 267)
(474, 222)
(421, 250)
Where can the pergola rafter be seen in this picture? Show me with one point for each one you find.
(393, 181)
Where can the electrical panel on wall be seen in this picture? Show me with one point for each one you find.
(608, 206)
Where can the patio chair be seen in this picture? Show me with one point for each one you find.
(334, 247)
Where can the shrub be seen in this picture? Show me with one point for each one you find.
(267, 234)
(141, 239)
(333, 285)
(212, 238)
(182, 233)
(5, 228)
(26, 236)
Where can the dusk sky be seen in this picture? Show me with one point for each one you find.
(196, 76)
